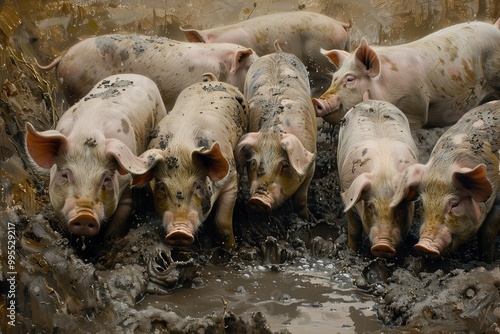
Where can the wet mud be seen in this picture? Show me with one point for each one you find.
(287, 275)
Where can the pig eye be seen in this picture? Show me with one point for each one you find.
(107, 183)
(252, 164)
(160, 191)
(455, 206)
(64, 176)
(349, 80)
(285, 166)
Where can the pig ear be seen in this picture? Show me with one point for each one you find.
(367, 58)
(216, 163)
(337, 57)
(128, 162)
(238, 58)
(405, 186)
(299, 157)
(44, 147)
(207, 77)
(359, 186)
(473, 181)
(196, 36)
(242, 151)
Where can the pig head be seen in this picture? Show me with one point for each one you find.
(451, 71)
(86, 180)
(458, 186)
(278, 166)
(185, 187)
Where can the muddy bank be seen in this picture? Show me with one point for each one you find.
(286, 275)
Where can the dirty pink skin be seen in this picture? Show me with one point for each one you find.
(190, 161)
(375, 146)
(173, 65)
(300, 33)
(88, 184)
(433, 80)
(458, 186)
(280, 149)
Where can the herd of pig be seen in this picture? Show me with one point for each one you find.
(187, 118)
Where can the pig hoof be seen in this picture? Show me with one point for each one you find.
(258, 205)
(383, 250)
(179, 238)
(84, 224)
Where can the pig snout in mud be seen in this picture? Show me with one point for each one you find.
(384, 241)
(84, 223)
(433, 244)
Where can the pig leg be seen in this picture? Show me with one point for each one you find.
(488, 232)
(224, 216)
(117, 225)
(354, 231)
(300, 197)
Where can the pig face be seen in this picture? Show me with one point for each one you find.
(277, 165)
(452, 201)
(183, 188)
(85, 185)
(352, 79)
(386, 226)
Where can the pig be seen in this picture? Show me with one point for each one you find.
(279, 151)
(190, 163)
(87, 150)
(433, 80)
(375, 147)
(458, 186)
(173, 65)
(301, 33)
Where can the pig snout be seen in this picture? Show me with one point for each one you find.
(384, 242)
(84, 223)
(325, 107)
(433, 245)
(259, 204)
(180, 235)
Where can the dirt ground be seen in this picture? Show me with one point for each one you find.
(287, 275)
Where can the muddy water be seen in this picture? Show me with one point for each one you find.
(300, 286)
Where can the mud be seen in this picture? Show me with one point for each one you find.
(287, 275)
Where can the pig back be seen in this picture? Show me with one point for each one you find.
(371, 134)
(474, 139)
(277, 90)
(204, 113)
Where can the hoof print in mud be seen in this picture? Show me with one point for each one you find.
(166, 274)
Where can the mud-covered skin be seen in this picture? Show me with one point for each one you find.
(458, 186)
(280, 149)
(173, 65)
(300, 33)
(191, 163)
(375, 146)
(451, 71)
(88, 147)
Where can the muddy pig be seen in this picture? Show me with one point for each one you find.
(280, 149)
(173, 65)
(88, 148)
(433, 80)
(375, 146)
(458, 186)
(300, 33)
(190, 161)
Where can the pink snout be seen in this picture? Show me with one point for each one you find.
(180, 235)
(84, 224)
(324, 107)
(383, 248)
(428, 247)
(258, 204)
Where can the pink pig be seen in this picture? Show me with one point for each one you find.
(86, 152)
(190, 161)
(433, 80)
(300, 33)
(173, 65)
(375, 146)
(459, 186)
